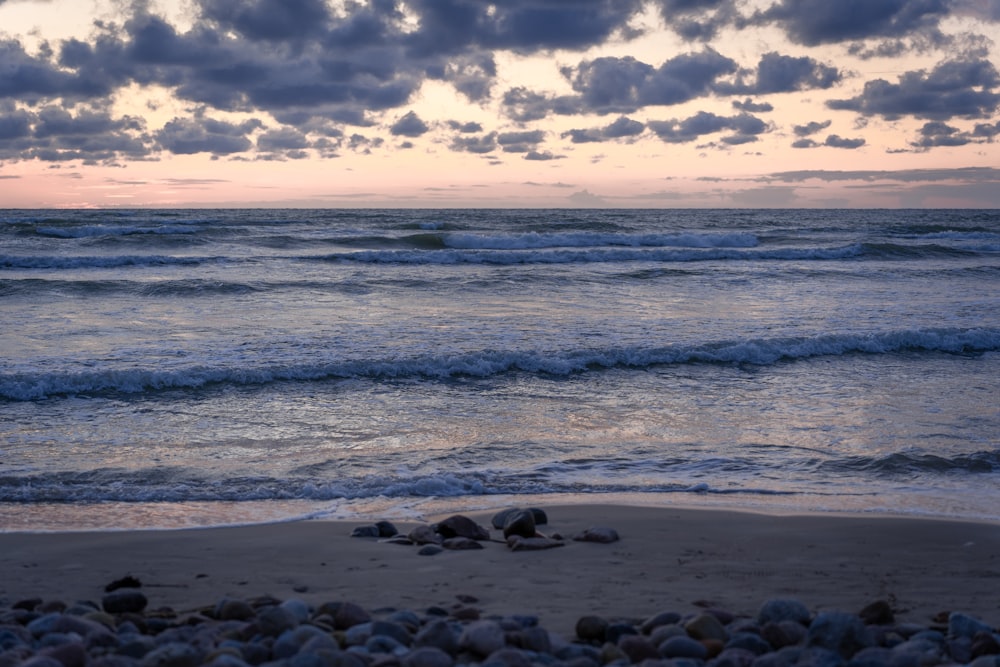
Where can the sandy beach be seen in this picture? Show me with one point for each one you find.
(667, 559)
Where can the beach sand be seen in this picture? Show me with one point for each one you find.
(667, 559)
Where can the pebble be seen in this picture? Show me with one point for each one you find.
(600, 534)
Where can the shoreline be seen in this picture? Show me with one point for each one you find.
(677, 559)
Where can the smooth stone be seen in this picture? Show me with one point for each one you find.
(291, 641)
(383, 644)
(877, 613)
(425, 534)
(386, 529)
(297, 608)
(616, 631)
(518, 543)
(482, 637)
(599, 534)
(230, 609)
(389, 629)
(520, 523)
(124, 601)
(272, 621)
(174, 654)
(427, 656)
(358, 634)
(683, 647)
(783, 633)
(984, 643)
(461, 544)
(734, 657)
(399, 539)
(128, 581)
(461, 526)
(963, 625)
(438, 634)
(430, 550)
(662, 633)
(370, 530)
(348, 615)
(840, 632)
(706, 626)
(751, 642)
(591, 628)
(986, 661)
(655, 621)
(638, 648)
(507, 657)
(775, 611)
(536, 639)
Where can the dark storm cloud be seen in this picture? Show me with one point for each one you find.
(34, 78)
(953, 88)
(451, 26)
(776, 73)
(409, 125)
(187, 136)
(621, 128)
(466, 128)
(697, 19)
(52, 133)
(815, 22)
(283, 140)
(745, 128)
(270, 19)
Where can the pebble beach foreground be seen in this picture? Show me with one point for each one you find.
(235, 633)
(681, 587)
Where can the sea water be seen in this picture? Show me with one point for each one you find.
(167, 368)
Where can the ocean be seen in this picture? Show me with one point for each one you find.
(177, 368)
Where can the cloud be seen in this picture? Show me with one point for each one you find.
(269, 20)
(409, 125)
(587, 199)
(621, 128)
(750, 106)
(953, 88)
(55, 134)
(815, 22)
(480, 145)
(542, 156)
(776, 73)
(466, 128)
(965, 174)
(520, 142)
(745, 128)
(836, 141)
(186, 136)
(812, 127)
(697, 19)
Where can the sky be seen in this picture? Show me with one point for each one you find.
(515, 103)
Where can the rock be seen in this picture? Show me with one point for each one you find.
(616, 631)
(598, 534)
(427, 656)
(775, 611)
(425, 534)
(518, 543)
(482, 638)
(386, 529)
(272, 621)
(370, 530)
(173, 654)
(348, 615)
(520, 523)
(438, 634)
(749, 642)
(591, 628)
(839, 632)
(536, 639)
(461, 544)
(877, 613)
(984, 643)
(429, 550)
(638, 648)
(399, 539)
(128, 581)
(963, 625)
(655, 621)
(683, 647)
(124, 601)
(783, 633)
(706, 626)
(461, 526)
